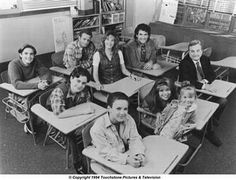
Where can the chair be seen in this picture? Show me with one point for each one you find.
(15, 105)
(142, 112)
(57, 59)
(174, 53)
(57, 136)
(4, 76)
(159, 40)
(92, 166)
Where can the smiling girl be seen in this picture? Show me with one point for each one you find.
(108, 62)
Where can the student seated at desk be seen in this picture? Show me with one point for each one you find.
(141, 51)
(179, 116)
(108, 62)
(67, 95)
(161, 94)
(115, 134)
(24, 68)
(80, 52)
(196, 68)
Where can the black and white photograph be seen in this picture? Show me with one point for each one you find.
(118, 89)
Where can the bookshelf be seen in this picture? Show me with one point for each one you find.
(106, 15)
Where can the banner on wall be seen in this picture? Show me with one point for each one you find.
(62, 32)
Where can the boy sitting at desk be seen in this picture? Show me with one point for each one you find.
(197, 69)
(80, 52)
(115, 134)
(67, 95)
(141, 51)
(23, 69)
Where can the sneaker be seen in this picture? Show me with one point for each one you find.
(78, 168)
(211, 136)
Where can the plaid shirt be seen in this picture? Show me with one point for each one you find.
(78, 56)
(59, 102)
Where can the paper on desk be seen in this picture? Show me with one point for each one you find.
(81, 109)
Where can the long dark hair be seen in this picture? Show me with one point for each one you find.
(153, 100)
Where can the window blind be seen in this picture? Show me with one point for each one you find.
(29, 5)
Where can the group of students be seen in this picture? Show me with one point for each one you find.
(116, 132)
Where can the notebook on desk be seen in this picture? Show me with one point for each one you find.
(220, 88)
(126, 85)
(79, 110)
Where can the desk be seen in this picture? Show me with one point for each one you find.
(67, 125)
(229, 62)
(179, 47)
(224, 65)
(162, 156)
(125, 85)
(61, 70)
(205, 109)
(223, 89)
(165, 66)
(25, 94)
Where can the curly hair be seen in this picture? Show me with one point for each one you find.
(142, 27)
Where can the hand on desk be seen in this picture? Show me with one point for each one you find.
(134, 77)
(136, 160)
(209, 87)
(43, 84)
(148, 66)
(99, 86)
(156, 66)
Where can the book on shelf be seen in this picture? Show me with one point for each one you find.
(111, 5)
(86, 22)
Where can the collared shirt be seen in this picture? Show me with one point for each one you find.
(78, 56)
(59, 102)
(113, 144)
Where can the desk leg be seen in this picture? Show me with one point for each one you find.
(31, 121)
(67, 152)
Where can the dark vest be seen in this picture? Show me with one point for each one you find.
(109, 71)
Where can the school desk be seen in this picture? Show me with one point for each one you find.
(204, 112)
(25, 94)
(221, 89)
(165, 66)
(69, 124)
(125, 85)
(224, 65)
(162, 155)
(228, 62)
(179, 47)
(61, 70)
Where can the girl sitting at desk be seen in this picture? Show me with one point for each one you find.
(21, 70)
(161, 94)
(108, 62)
(179, 116)
(69, 94)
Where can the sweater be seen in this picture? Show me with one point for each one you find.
(19, 73)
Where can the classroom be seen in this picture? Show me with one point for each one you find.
(123, 87)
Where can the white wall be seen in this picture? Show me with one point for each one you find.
(140, 11)
(35, 29)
